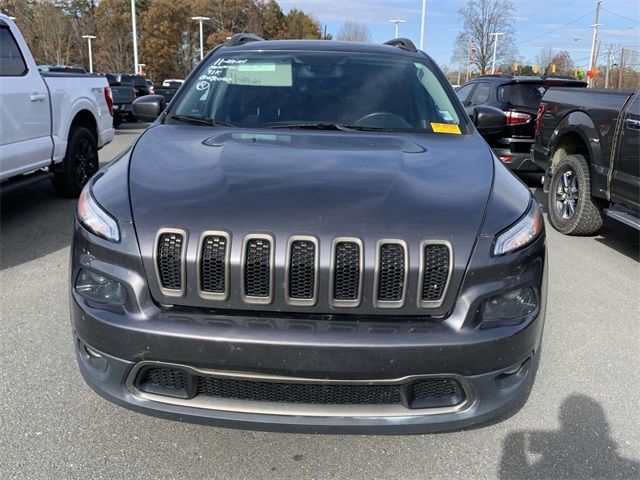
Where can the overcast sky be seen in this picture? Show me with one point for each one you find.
(534, 18)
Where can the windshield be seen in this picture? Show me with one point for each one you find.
(291, 89)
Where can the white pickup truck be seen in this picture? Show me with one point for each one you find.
(51, 124)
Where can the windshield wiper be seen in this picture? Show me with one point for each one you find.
(201, 120)
(332, 126)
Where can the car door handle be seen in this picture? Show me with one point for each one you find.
(37, 97)
(632, 124)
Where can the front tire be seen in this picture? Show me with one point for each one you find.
(79, 164)
(572, 209)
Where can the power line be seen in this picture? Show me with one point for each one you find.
(556, 29)
(621, 16)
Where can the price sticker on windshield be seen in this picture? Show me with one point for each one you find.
(446, 128)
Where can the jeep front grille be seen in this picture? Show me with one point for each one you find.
(301, 276)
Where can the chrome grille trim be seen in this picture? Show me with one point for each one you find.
(433, 304)
(302, 302)
(220, 296)
(243, 266)
(390, 303)
(332, 270)
(172, 292)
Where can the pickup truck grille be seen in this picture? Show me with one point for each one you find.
(255, 282)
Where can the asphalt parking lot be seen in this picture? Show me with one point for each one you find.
(581, 419)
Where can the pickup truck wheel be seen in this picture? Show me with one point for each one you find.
(80, 163)
(572, 209)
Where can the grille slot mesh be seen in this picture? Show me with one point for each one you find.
(169, 258)
(302, 257)
(435, 271)
(213, 264)
(257, 270)
(391, 273)
(346, 274)
(424, 393)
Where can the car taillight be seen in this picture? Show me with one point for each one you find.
(541, 109)
(516, 118)
(108, 97)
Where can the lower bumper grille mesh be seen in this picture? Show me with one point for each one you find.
(431, 392)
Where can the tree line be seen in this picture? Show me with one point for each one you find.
(168, 40)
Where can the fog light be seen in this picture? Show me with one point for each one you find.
(509, 306)
(99, 289)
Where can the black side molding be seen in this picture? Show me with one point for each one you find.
(403, 43)
(242, 38)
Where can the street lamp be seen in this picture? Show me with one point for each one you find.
(140, 65)
(424, 13)
(397, 24)
(200, 20)
(495, 50)
(135, 36)
(89, 38)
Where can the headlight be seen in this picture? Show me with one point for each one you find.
(522, 233)
(95, 219)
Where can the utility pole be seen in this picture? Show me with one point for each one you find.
(424, 14)
(89, 38)
(606, 78)
(200, 20)
(495, 50)
(397, 24)
(621, 69)
(135, 36)
(592, 64)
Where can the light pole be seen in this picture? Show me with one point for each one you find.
(397, 24)
(424, 14)
(135, 36)
(89, 38)
(140, 65)
(200, 20)
(495, 50)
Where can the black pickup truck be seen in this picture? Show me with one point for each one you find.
(588, 143)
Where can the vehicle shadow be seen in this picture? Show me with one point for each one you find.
(582, 448)
(34, 222)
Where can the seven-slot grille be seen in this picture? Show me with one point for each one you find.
(169, 260)
(257, 268)
(435, 271)
(213, 264)
(301, 282)
(346, 271)
(391, 272)
(302, 270)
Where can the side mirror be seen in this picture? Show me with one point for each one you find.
(149, 107)
(488, 120)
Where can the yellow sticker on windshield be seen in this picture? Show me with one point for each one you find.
(446, 128)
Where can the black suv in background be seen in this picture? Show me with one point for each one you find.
(138, 82)
(519, 97)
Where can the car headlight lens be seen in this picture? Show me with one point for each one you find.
(509, 306)
(95, 219)
(522, 233)
(99, 289)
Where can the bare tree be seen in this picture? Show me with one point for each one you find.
(544, 59)
(354, 32)
(481, 18)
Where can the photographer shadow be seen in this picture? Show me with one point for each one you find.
(582, 448)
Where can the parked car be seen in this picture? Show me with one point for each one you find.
(588, 142)
(298, 244)
(61, 69)
(123, 97)
(519, 97)
(138, 82)
(168, 89)
(51, 124)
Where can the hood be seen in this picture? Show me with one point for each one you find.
(319, 183)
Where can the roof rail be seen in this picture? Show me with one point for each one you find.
(496, 75)
(403, 43)
(242, 38)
